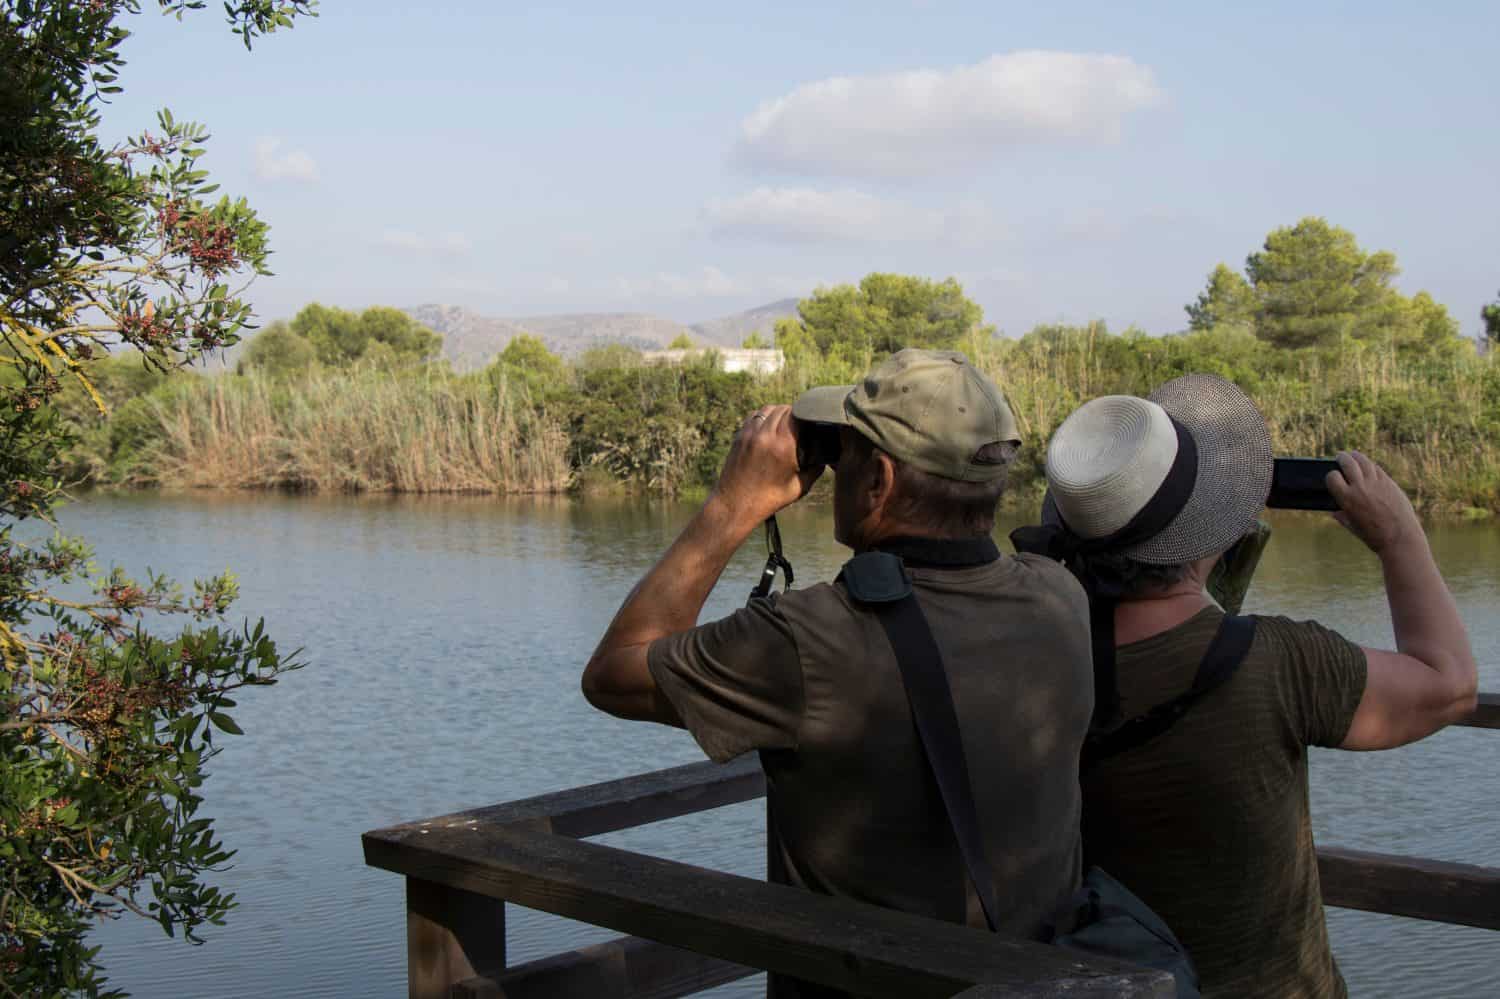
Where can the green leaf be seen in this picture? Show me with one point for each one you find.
(225, 722)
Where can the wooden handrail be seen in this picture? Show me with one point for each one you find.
(462, 867)
(1436, 890)
(832, 941)
(1486, 715)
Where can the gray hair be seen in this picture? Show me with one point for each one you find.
(1125, 577)
(948, 508)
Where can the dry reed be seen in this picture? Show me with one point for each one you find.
(361, 430)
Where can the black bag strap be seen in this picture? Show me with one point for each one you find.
(1231, 643)
(936, 720)
(878, 580)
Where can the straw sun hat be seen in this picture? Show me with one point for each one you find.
(1195, 456)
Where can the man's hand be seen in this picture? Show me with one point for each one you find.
(1371, 505)
(761, 476)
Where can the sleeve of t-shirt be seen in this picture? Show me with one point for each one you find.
(1321, 679)
(736, 683)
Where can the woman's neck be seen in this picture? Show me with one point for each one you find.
(1143, 617)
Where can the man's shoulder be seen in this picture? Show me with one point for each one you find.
(1046, 571)
(1032, 575)
(1049, 585)
(817, 600)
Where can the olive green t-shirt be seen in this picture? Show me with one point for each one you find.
(812, 682)
(1209, 822)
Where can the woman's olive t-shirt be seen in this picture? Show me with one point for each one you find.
(1209, 822)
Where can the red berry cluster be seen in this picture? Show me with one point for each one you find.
(124, 596)
(210, 246)
(105, 706)
(151, 144)
(168, 216)
(144, 327)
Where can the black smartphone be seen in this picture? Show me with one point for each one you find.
(1298, 484)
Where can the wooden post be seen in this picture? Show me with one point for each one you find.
(451, 935)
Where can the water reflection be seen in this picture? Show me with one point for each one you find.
(446, 636)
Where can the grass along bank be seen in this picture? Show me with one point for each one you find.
(355, 430)
(608, 422)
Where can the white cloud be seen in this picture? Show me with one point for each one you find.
(271, 165)
(929, 121)
(801, 214)
(447, 244)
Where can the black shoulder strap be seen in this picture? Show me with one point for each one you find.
(932, 708)
(1230, 645)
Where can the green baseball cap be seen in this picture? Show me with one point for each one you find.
(929, 408)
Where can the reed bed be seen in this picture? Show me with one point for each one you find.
(1432, 419)
(359, 430)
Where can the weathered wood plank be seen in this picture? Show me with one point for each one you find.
(836, 942)
(624, 968)
(1411, 886)
(1060, 990)
(1487, 715)
(618, 804)
(451, 935)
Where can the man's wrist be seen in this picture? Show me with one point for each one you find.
(724, 517)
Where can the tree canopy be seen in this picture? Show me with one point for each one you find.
(1490, 316)
(527, 362)
(852, 325)
(338, 338)
(1311, 285)
(105, 728)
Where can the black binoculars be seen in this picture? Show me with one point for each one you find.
(818, 444)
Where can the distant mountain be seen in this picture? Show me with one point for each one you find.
(576, 332)
(471, 340)
(731, 331)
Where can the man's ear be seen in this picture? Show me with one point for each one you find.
(880, 481)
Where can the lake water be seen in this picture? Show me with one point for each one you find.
(445, 639)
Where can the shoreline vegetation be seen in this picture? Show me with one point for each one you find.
(609, 423)
(337, 401)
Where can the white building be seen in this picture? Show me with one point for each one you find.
(731, 359)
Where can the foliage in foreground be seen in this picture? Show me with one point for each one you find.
(105, 728)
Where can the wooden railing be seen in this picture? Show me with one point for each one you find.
(691, 928)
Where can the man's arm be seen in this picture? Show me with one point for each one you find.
(1432, 680)
(760, 476)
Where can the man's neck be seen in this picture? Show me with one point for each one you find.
(934, 552)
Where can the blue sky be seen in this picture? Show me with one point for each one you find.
(1065, 161)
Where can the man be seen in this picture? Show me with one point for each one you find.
(811, 681)
(1208, 821)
